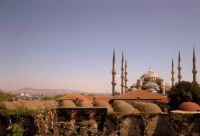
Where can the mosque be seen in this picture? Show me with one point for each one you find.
(152, 82)
(149, 81)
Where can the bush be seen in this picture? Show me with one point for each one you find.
(16, 130)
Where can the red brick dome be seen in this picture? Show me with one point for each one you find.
(189, 106)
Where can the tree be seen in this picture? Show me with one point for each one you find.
(184, 92)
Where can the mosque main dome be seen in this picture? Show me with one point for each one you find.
(150, 74)
(153, 82)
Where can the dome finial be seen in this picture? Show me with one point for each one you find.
(149, 68)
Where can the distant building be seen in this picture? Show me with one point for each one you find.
(27, 96)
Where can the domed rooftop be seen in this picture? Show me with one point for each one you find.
(124, 108)
(74, 96)
(189, 106)
(86, 104)
(150, 74)
(146, 107)
(67, 104)
(104, 104)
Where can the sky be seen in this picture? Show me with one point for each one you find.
(69, 43)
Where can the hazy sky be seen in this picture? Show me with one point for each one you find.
(69, 43)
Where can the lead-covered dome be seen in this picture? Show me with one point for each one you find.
(150, 74)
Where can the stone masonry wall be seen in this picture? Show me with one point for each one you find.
(130, 125)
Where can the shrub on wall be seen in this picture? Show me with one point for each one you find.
(16, 130)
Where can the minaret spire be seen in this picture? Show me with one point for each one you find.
(194, 70)
(114, 72)
(122, 75)
(173, 79)
(126, 76)
(179, 68)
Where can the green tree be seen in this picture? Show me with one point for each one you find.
(184, 92)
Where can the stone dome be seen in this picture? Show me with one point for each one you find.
(150, 74)
(189, 106)
(146, 107)
(124, 108)
(67, 104)
(86, 104)
(104, 104)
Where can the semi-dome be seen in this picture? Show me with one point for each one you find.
(189, 106)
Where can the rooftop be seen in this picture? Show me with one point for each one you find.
(140, 94)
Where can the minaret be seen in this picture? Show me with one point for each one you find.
(126, 76)
(122, 75)
(114, 72)
(194, 70)
(179, 68)
(163, 86)
(173, 79)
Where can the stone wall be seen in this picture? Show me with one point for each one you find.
(154, 125)
(48, 123)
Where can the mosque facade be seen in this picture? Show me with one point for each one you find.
(149, 81)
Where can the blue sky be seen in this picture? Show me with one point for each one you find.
(69, 43)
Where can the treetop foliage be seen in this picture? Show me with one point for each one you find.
(184, 92)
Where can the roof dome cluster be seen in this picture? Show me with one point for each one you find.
(28, 105)
(153, 82)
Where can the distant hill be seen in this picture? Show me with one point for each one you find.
(45, 92)
(50, 92)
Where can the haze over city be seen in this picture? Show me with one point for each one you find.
(69, 44)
